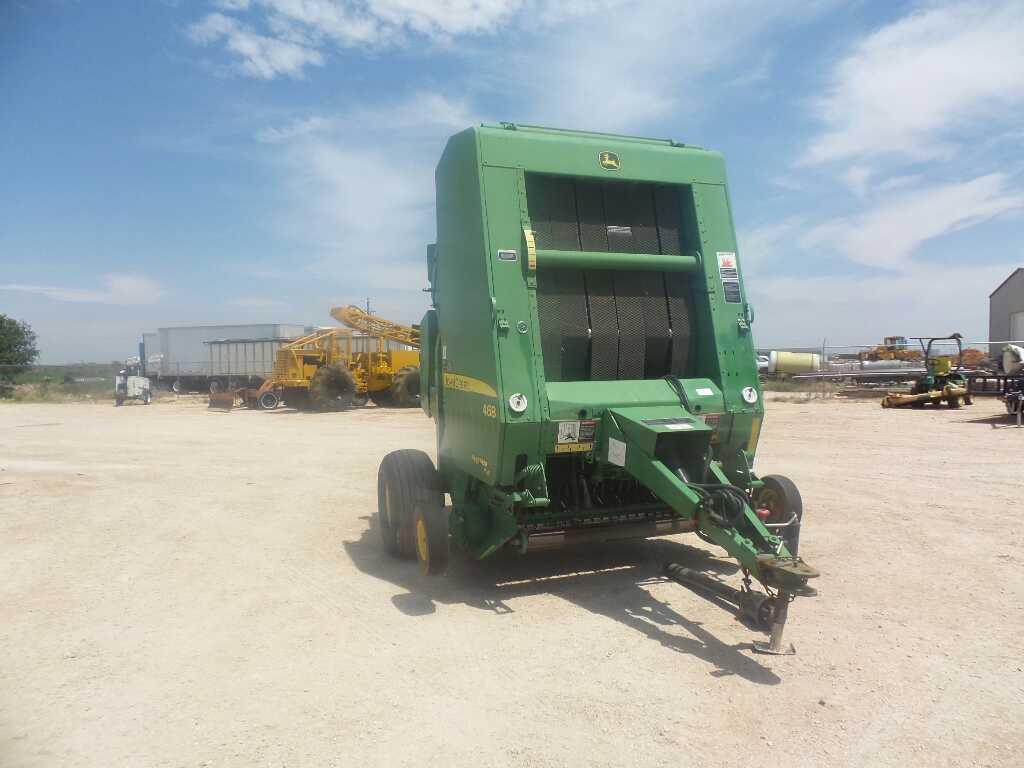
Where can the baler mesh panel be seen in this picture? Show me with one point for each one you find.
(604, 326)
(666, 209)
(590, 206)
(629, 306)
(557, 228)
(656, 326)
(571, 214)
(678, 291)
(562, 307)
(639, 324)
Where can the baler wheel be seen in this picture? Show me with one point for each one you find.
(406, 479)
(781, 496)
(431, 538)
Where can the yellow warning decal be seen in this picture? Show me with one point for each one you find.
(755, 432)
(574, 447)
(531, 249)
(462, 383)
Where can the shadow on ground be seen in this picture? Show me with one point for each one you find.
(997, 421)
(606, 579)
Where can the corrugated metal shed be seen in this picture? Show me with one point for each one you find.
(1006, 312)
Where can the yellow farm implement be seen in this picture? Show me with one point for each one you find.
(333, 368)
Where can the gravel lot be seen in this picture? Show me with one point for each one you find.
(183, 587)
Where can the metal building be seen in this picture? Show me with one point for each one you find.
(1006, 312)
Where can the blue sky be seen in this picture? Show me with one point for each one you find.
(200, 161)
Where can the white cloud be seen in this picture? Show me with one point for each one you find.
(625, 66)
(424, 110)
(888, 234)
(358, 192)
(604, 62)
(297, 31)
(258, 55)
(760, 246)
(120, 289)
(910, 88)
(856, 178)
(899, 182)
(293, 130)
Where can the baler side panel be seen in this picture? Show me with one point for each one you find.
(731, 360)
(518, 432)
(468, 444)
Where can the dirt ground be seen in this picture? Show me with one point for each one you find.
(180, 587)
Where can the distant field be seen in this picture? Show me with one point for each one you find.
(52, 383)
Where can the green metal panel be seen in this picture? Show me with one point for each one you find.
(467, 443)
(577, 154)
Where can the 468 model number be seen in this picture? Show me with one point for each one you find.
(490, 410)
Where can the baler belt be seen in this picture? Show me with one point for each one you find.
(604, 216)
(590, 208)
(656, 325)
(600, 324)
(604, 327)
(629, 307)
(676, 289)
(638, 322)
(562, 307)
(555, 196)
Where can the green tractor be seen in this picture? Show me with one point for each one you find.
(588, 362)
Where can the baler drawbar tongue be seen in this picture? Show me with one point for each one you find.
(676, 465)
(790, 573)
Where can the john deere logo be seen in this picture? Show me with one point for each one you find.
(609, 161)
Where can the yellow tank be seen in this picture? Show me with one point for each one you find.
(790, 363)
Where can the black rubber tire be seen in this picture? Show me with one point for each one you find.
(382, 398)
(268, 401)
(405, 388)
(405, 479)
(118, 401)
(431, 532)
(332, 387)
(953, 401)
(359, 399)
(784, 490)
(297, 398)
(216, 385)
